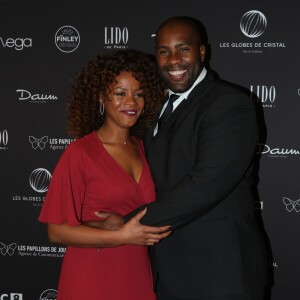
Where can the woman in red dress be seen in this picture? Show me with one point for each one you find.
(116, 96)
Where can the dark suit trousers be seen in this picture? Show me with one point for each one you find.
(254, 295)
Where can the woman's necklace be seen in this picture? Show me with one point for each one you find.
(125, 142)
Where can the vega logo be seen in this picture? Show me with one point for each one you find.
(253, 24)
(17, 43)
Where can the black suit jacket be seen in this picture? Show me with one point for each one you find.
(201, 165)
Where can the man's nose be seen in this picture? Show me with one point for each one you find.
(174, 58)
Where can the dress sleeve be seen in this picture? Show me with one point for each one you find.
(64, 199)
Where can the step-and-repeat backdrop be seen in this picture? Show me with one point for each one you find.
(254, 44)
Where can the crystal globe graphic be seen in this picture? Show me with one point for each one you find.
(39, 180)
(253, 23)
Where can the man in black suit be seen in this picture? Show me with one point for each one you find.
(200, 158)
(200, 153)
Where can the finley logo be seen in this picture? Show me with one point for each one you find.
(253, 24)
(7, 249)
(38, 143)
(49, 295)
(291, 205)
(67, 39)
(39, 180)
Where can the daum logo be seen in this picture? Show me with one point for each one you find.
(35, 98)
(115, 37)
(291, 205)
(39, 180)
(7, 249)
(253, 24)
(38, 143)
(49, 295)
(276, 152)
(67, 39)
(16, 43)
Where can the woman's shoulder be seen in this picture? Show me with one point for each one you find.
(84, 146)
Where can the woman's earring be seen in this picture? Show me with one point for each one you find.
(101, 109)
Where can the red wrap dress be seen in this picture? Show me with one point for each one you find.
(88, 179)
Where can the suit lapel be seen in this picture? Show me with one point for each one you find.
(195, 95)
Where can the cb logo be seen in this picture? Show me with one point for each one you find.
(11, 296)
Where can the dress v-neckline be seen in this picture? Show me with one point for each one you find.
(137, 182)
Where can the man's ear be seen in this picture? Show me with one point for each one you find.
(202, 52)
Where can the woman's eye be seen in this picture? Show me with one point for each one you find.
(139, 95)
(121, 94)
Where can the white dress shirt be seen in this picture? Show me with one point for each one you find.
(182, 96)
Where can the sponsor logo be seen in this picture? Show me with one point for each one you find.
(291, 205)
(67, 39)
(275, 264)
(262, 95)
(24, 95)
(38, 143)
(115, 37)
(3, 139)
(276, 152)
(45, 142)
(11, 296)
(16, 43)
(252, 24)
(7, 249)
(31, 250)
(39, 180)
(298, 92)
(49, 295)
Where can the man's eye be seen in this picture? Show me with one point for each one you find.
(162, 52)
(184, 49)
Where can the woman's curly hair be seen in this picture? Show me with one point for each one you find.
(95, 79)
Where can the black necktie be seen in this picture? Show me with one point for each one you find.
(167, 112)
